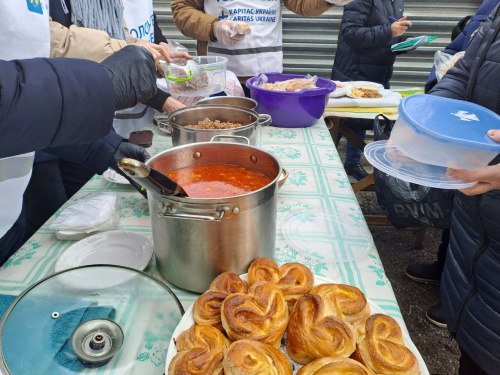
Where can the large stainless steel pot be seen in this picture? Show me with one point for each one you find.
(177, 121)
(196, 239)
(239, 101)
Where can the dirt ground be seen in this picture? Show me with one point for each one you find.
(439, 351)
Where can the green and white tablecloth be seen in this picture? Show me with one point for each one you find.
(317, 181)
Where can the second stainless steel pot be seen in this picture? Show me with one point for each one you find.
(195, 239)
(177, 121)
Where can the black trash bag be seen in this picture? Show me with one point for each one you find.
(409, 205)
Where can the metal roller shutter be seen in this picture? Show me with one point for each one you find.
(309, 44)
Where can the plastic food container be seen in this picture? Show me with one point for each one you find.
(202, 76)
(445, 132)
(291, 109)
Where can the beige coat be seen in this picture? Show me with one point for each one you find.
(84, 43)
(192, 21)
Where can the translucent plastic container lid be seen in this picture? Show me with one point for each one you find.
(388, 159)
(450, 121)
(331, 237)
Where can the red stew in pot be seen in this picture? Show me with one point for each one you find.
(218, 180)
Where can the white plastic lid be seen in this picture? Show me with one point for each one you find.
(388, 159)
(331, 237)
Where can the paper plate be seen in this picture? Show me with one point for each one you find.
(112, 176)
(45, 329)
(119, 248)
(388, 159)
(187, 321)
(330, 237)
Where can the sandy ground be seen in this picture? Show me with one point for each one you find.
(439, 351)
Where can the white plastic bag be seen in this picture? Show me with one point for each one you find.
(95, 211)
(444, 61)
(290, 85)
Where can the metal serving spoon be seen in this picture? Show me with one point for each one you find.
(150, 178)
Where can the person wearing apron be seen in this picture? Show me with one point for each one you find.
(252, 48)
(32, 114)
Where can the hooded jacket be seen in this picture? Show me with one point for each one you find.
(470, 284)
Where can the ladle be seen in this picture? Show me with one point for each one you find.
(150, 178)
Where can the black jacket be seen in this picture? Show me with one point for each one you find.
(41, 104)
(365, 40)
(470, 285)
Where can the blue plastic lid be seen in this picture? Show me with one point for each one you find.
(456, 122)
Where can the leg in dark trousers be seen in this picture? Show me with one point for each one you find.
(52, 183)
(15, 237)
(45, 193)
(468, 366)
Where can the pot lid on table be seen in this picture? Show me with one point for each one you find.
(108, 319)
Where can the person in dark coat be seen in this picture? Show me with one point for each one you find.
(470, 284)
(431, 272)
(45, 103)
(61, 172)
(367, 33)
(461, 42)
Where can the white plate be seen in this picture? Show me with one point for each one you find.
(187, 321)
(112, 176)
(340, 91)
(117, 248)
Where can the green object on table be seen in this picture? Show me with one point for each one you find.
(412, 43)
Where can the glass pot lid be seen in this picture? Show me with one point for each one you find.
(92, 319)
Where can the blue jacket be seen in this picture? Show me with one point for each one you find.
(41, 104)
(461, 42)
(470, 285)
(365, 40)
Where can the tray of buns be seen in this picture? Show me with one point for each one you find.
(285, 320)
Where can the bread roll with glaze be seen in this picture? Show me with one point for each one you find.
(334, 366)
(350, 300)
(316, 329)
(249, 357)
(200, 351)
(381, 347)
(260, 315)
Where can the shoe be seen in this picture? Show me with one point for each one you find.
(355, 170)
(435, 315)
(424, 273)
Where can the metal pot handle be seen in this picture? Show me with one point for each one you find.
(265, 120)
(193, 216)
(283, 177)
(162, 123)
(228, 136)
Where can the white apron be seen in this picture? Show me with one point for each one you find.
(262, 50)
(138, 15)
(24, 34)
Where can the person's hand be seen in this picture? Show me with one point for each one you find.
(228, 32)
(172, 105)
(129, 150)
(399, 28)
(162, 51)
(133, 75)
(488, 178)
(175, 54)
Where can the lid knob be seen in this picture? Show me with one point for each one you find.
(96, 341)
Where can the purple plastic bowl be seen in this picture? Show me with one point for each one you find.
(292, 109)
